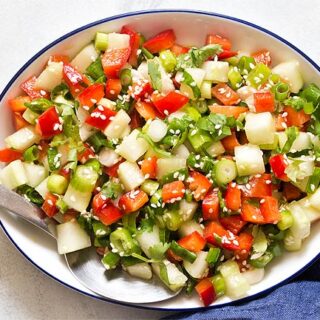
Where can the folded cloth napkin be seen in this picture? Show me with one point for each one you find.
(298, 299)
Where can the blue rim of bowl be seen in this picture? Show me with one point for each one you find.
(139, 13)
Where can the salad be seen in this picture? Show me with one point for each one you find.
(198, 165)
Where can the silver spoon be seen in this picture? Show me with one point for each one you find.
(85, 264)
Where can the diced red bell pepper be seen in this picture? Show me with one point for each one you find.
(109, 214)
(245, 243)
(59, 58)
(70, 215)
(233, 197)
(149, 167)
(140, 90)
(199, 185)
(230, 142)
(269, 208)
(193, 242)
(113, 171)
(28, 88)
(91, 95)
(262, 56)
(146, 110)
(278, 165)
(225, 94)
(264, 101)
(173, 191)
(9, 155)
(211, 206)
(206, 292)
(162, 41)
(49, 205)
(99, 202)
(251, 212)
(17, 104)
(177, 50)
(296, 118)
(291, 192)
(133, 200)
(113, 60)
(170, 103)
(281, 122)
(19, 121)
(113, 88)
(226, 54)
(100, 117)
(86, 154)
(74, 79)
(225, 43)
(217, 235)
(234, 223)
(134, 44)
(136, 120)
(258, 186)
(229, 111)
(65, 172)
(49, 123)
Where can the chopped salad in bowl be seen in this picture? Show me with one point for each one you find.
(197, 165)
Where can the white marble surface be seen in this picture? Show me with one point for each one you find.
(26, 27)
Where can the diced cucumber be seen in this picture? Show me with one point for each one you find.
(84, 178)
(35, 173)
(270, 146)
(260, 128)
(150, 187)
(168, 165)
(302, 142)
(76, 199)
(22, 139)
(50, 77)
(71, 237)
(315, 199)
(301, 184)
(57, 183)
(260, 243)
(216, 71)
(300, 168)
(228, 268)
(108, 157)
(187, 209)
(301, 224)
(13, 175)
(101, 41)
(157, 130)
(115, 128)
(130, 175)
(225, 171)
(254, 275)
(140, 270)
(148, 238)
(215, 149)
(42, 188)
(311, 211)
(132, 147)
(189, 227)
(118, 41)
(197, 75)
(199, 138)
(85, 57)
(181, 152)
(205, 89)
(289, 71)
(199, 268)
(292, 243)
(30, 116)
(170, 275)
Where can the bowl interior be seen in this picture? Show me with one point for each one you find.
(191, 29)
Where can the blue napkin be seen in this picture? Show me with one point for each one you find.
(299, 299)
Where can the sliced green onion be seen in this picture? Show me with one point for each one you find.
(172, 219)
(213, 256)
(246, 64)
(122, 242)
(274, 78)
(150, 187)
(125, 77)
(101, 41)
(168, 60)
(84, 178)
(95, 70)
(182, 252)
(110, 260)
(31, 154)
(94, 164)
(219, 285)
(235, 78)
(101, 242)
(147, 53)
(286, 220)
(62, 206)
(190, 285)
(308, 108)
(292, 134)
(129, 222)
(258, 76)
(198, 138)
(181, 174)
(281, 91)
(312, 94)
(188, 196)
(100, 230)
(262, 261)
(193, 113)
(57, 184)
(313, 181)
(53, 159)
(276, 249)
(225, 171)
(200, 105)
(98, 141)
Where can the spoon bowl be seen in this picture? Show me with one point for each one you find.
(85, 264)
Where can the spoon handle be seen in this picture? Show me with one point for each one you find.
(21, 207)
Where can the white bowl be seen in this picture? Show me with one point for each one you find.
(191, 27)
